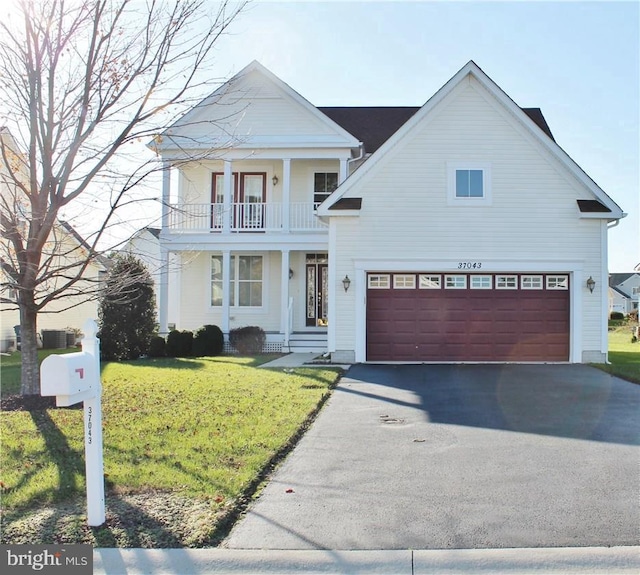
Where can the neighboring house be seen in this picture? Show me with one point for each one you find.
(624, 289)
(145, 245)
(458, 231)
(65, 248)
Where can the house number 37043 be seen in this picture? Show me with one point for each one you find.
(469, 265)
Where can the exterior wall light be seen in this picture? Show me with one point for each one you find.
(591, 283)
(275, 180)
(346, 282)
(290, 273)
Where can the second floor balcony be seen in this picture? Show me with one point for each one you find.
(256, 217)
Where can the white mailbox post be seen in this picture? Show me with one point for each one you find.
(72, 378)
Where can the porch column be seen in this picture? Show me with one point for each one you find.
(286, 196)
(163, 296)
(226, 291)
(166, 193)
(284, 297)
(342, 175)
(228, 198)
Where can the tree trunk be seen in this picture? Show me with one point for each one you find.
(30, 377)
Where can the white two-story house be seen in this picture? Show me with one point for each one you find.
(456, 231)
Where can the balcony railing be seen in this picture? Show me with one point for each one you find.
(244, 217)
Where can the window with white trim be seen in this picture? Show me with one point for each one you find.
(468, 183)
(531, 282)
(455, 282)
(481, 282)
(426, 281)
(379, 281)
(557, 282)
(246, 281)
(404, 281)
(506, 282)
(324, 184)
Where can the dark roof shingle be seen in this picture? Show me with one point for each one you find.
(374, 125)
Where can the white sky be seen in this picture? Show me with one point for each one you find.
(577, 61)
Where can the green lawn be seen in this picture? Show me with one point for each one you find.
(10, 369)
(624, 356)
(186, 442)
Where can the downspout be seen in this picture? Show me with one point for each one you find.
(605, 296)
(360, 156)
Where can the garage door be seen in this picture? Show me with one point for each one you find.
(467, 317)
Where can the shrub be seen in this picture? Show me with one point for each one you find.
(208, 340)
(616, 315)
(247, 340)
(179, 343)
(127, 310)
(157, 346)
(633, 315)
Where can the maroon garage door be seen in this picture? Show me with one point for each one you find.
(467, 317)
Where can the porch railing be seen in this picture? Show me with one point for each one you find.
(244, 217)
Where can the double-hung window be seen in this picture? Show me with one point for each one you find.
(246, 281)
(468, 183)
(324, 184)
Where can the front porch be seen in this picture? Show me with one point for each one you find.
(283, 291)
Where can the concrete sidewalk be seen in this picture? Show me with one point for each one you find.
(292, 360)
(550, 561)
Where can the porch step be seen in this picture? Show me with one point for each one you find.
(308, 342)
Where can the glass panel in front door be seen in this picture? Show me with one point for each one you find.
(317, 302)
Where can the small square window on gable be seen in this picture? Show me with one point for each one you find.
(468, 184)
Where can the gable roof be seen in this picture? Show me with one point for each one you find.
(104, 261)
(171, 138)
(374, 125)
(531, 121)
(618, 278)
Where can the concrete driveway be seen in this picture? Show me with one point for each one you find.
(459, 456)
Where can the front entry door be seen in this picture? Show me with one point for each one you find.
(317, 290)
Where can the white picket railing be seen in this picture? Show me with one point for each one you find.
(244, 217)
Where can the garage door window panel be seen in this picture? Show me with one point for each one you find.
(481, 282)
(558, 282)
(531, 282)
(455, 282)
(379, 281)
(506, 282)
(404, 281)
(426, 281)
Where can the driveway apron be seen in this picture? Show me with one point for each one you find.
(459, 456)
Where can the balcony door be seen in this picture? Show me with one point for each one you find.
(317, 302)
(250, 213)
(249, 196)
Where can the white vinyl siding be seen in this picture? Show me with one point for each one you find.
(532, 217)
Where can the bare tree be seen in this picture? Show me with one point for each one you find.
(80, 82)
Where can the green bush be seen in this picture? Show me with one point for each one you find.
(179, 343)
(247, 340)
(157, 346)
(127, 312)
(208, 341)
(616, 315)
